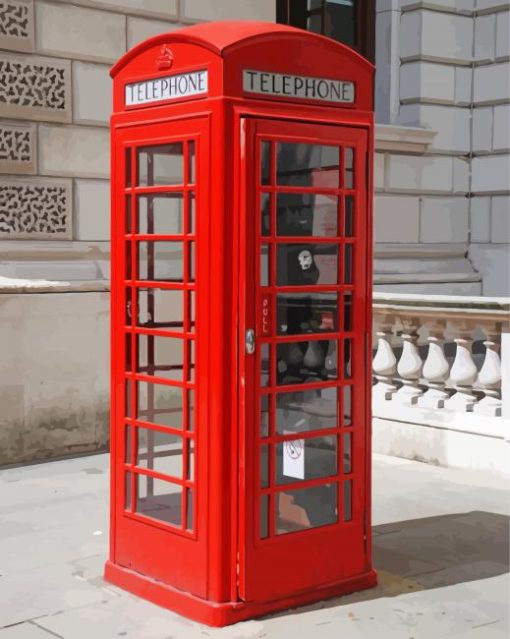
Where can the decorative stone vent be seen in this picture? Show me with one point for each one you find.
(17, 25)
(35, 209)
(17, 149)
(34, 88)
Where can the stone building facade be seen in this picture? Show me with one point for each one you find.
(441, 172)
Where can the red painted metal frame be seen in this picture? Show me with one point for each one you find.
(200, 575)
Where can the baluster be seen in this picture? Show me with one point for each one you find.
(463, 372)
(384, 364)
(435, 368)
(489, 376)
(410, 364)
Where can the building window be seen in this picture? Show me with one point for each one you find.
(349, 21)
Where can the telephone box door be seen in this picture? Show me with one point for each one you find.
(303, 357)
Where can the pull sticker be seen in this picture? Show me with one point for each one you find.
(294, 458)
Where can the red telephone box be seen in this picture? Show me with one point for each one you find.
(241, 318)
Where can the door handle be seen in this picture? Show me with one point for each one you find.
(249, 341)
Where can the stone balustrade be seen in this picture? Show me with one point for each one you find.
(424, 355)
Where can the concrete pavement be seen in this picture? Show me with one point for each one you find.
(441, 546)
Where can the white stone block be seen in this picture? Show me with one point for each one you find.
(396, 218)
(463, 85)
(500, 227)
(490, 174)
(74, 151)
(379, 171)
(451, 123)
(419, 174)
(427, 81)
(139, 29)
(485, 45)
(491, 5)
(460, 175)
(492, 261)
(444, 220)
(491, 83)
(482, 129)
(229, 9)
(148, 8)
(503, 34)
(78, 32)
(92, 210)
(439, 5)
(92, 93)
(501, 141)
(438, 35)
(480, 219)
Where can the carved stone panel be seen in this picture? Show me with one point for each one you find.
(35, 88)
(35, 208)
(17, 148)
(17, 25)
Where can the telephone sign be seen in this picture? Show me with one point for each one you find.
(241, 320)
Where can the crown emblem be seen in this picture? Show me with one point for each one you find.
(165, 58)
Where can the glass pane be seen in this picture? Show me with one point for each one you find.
(191, 410)
(307, 313)
(191, 311)
(264, 265)
(307, 165)
(189, 517)
(304, 411)
(348, 251)
(349, 169)
(159, 500)
(347, 407)
(349, 216)
(129, 398)
(347, 500)
(300, 362)
(191, 360)
(191, 460)
(128, 167)
(265, 213)
(129, 260)
(264, 516)
(160, 261)
(307, 264)
(306, 214)
(160, 356)
(314, 23)
(340, 23)
(264, 415)
(264, 466)
(347, 453)
(128, 359)
(191, 213)
(161, 214)
(191, 262)
(159, 165)
(127, 490)
(191, 162)
(160, 308)
(160, 451)
(348, 359)
(265, 162)
(265, 364)
(306, 508)
(129, 306)
(160, 404)
(127, 447)
(129, 227)
(347, 312)
(306, 459)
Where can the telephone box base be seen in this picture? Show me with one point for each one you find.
(224, 614)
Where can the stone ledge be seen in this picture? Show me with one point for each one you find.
(10, 285)
(404, 139)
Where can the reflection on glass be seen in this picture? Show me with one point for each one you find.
(128, 358)
(264, 264)
(127, 489)
(306, 508)
(159, 451)
(307, 165)
(159, 500)
(191, 213)
(302, 459)
(129, 227)
(347, 405)
(301, 362)
(160, 308)
(159, 404)
(189, 516)
(265, 364)
(191, 360)
(191, 410)
(190, 460)
(264, 415)
(160, 261)
(348, 500)
(128, 398)
(349, 216)
(348, 250)
(264, 516)
(158, 165)
(304, 411)
(128, 167)
(314, 23)
(127, 455)
(307, 264)
(306, 214)
(349, 169)
(191, 261)
(264, 466)
(307, 313)
(347, 453)
(129, 261)
(347, 312)
(160, 214)
(348, 359)
(191, 311)
(129, 306)
(340, 21)
(160, 356)
(265, 213)
(191, 162)
(265, 162)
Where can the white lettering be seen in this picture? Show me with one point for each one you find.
(167, 88)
